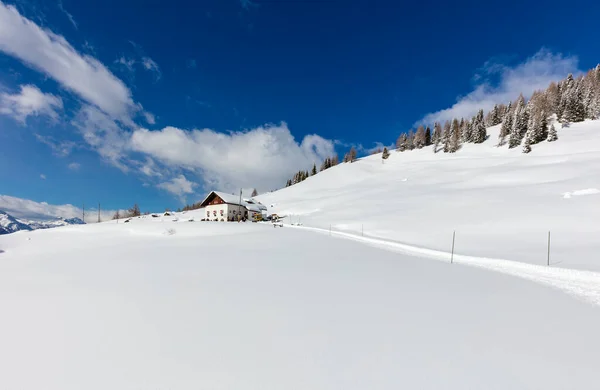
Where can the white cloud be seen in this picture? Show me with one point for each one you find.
(533, 74)
(261, 158)
(128, 63)
(67, 14)
(74, 166)
(102, 133)
(59, 148)
(30, 101)
(42, 176)
(51, 54)
(152, 66)
(179, 186)
(29, 209)
(149, 117)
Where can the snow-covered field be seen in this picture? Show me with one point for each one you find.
(501, 202)
(164, 303)
(157, 304)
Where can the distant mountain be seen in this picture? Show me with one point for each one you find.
(9, 224)
(35, 225)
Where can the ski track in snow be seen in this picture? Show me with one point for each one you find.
(584, 285)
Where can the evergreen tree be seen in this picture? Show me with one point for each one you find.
(552, 135)
(335, 161)
(385, 154)
(467, 134)
(254, 193)
(527, 145)
(454, 138)
(479, 132)
(427, 136)
(446, 136)
(506, 126)
(402, 143)
(420, 139)
(520, 120)
(437, 133)
(313, 172)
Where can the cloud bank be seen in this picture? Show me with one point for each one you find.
(262, 157)
(535, 73)
(29, 209)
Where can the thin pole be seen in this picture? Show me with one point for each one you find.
(240, 207)
(83, 210)
(452, 256)
(548, 248)
(98, 212)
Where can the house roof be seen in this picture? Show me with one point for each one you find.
(250, 204)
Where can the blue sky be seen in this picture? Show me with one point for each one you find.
(158, 102)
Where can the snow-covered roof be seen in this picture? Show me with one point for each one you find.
(250, 204)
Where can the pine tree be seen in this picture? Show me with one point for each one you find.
(527, 145)
(454, 138)
(507, 124)
(520, 120)
(385, 154)
(446, 136)
(552, 135)
(437, 133)
(427, 136)
(335, 161)
(467, 133)
(313, 172)
(254, 193)
(420, 139)
(402, 143)
(479, 132)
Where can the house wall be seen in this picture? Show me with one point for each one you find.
(229, 211)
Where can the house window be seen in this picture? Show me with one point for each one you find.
(215, 213)
(208, 213)
(221, 213)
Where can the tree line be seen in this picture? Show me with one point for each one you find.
(523, 122)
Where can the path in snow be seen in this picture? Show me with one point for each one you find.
(581, 284)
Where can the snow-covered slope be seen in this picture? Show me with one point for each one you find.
(160, 304)
(9, 224)
(501, 202)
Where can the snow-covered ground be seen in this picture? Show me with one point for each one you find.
(168, 303)
(501, 202)
(206, 305)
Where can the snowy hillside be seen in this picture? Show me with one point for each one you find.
(501, 202)
(163, 304)
(172, 302)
